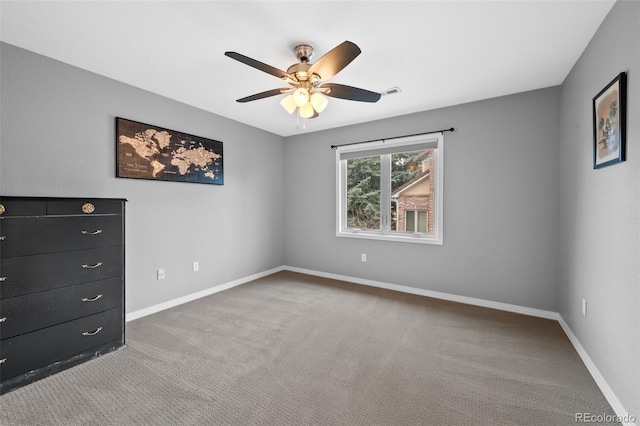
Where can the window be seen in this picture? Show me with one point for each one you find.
(391, 190)
(415, 221)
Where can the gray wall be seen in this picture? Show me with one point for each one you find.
(600, 211)
(58, 139)
(500, 203)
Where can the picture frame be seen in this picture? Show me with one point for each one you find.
(609, 123)
(151, 152)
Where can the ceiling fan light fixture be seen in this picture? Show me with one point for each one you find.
(306, 111)
(319, 101)
(301, 96)
(289, 104)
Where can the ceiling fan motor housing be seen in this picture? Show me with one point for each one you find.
(303, 52)
(300, 72)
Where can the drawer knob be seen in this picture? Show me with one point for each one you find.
(85, 299)
(2, 238)
(3, 319)
(92, 333)
(88, 208)
(91, 266)
(99, 231)
(2, 209)
(3, 360)
(3, 279)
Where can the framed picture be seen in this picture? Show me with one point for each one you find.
(609, 126)
(151, 152)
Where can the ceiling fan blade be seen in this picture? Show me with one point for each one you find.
(350, 93)
(262, 95)
(332, 62)
(258, 65)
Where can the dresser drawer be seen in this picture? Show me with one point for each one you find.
(22, 236)
(31, 274)
(13, 207)
(83, 206)
(22, 314)
(27, 352)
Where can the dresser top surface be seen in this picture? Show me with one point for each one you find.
(36, 198)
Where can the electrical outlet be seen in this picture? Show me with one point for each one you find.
(196, 266)
(584, 307)
(161, 274)
(363, 257)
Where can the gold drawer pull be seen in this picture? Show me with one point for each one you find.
(3, 319)
(93, 299)
(3, 360)
(91, 266)
(99, 231)
(88, 208)
(2, 209)
(92, 333)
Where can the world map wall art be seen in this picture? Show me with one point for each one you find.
(151, 152)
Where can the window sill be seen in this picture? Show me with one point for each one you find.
(401, 238)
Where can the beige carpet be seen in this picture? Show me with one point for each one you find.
(292, 349)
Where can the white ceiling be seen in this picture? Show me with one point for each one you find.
(439, 53)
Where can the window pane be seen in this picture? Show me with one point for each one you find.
(406, 166)
(412, 190)
(422, 221)
(363, 193)
(410, 219)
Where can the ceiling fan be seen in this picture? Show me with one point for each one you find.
(307, 81)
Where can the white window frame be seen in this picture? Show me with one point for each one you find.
(402, 145)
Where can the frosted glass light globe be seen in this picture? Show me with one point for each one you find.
(306, 111)
(301, 96)
(319, 102)
(289, 104)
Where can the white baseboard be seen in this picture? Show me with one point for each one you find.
(624, 417)
(435, 294)
(193, 296)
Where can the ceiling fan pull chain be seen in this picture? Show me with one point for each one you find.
(301, 122)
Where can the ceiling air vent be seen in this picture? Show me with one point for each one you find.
(391, 91)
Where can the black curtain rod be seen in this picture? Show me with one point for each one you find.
(395, 137)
